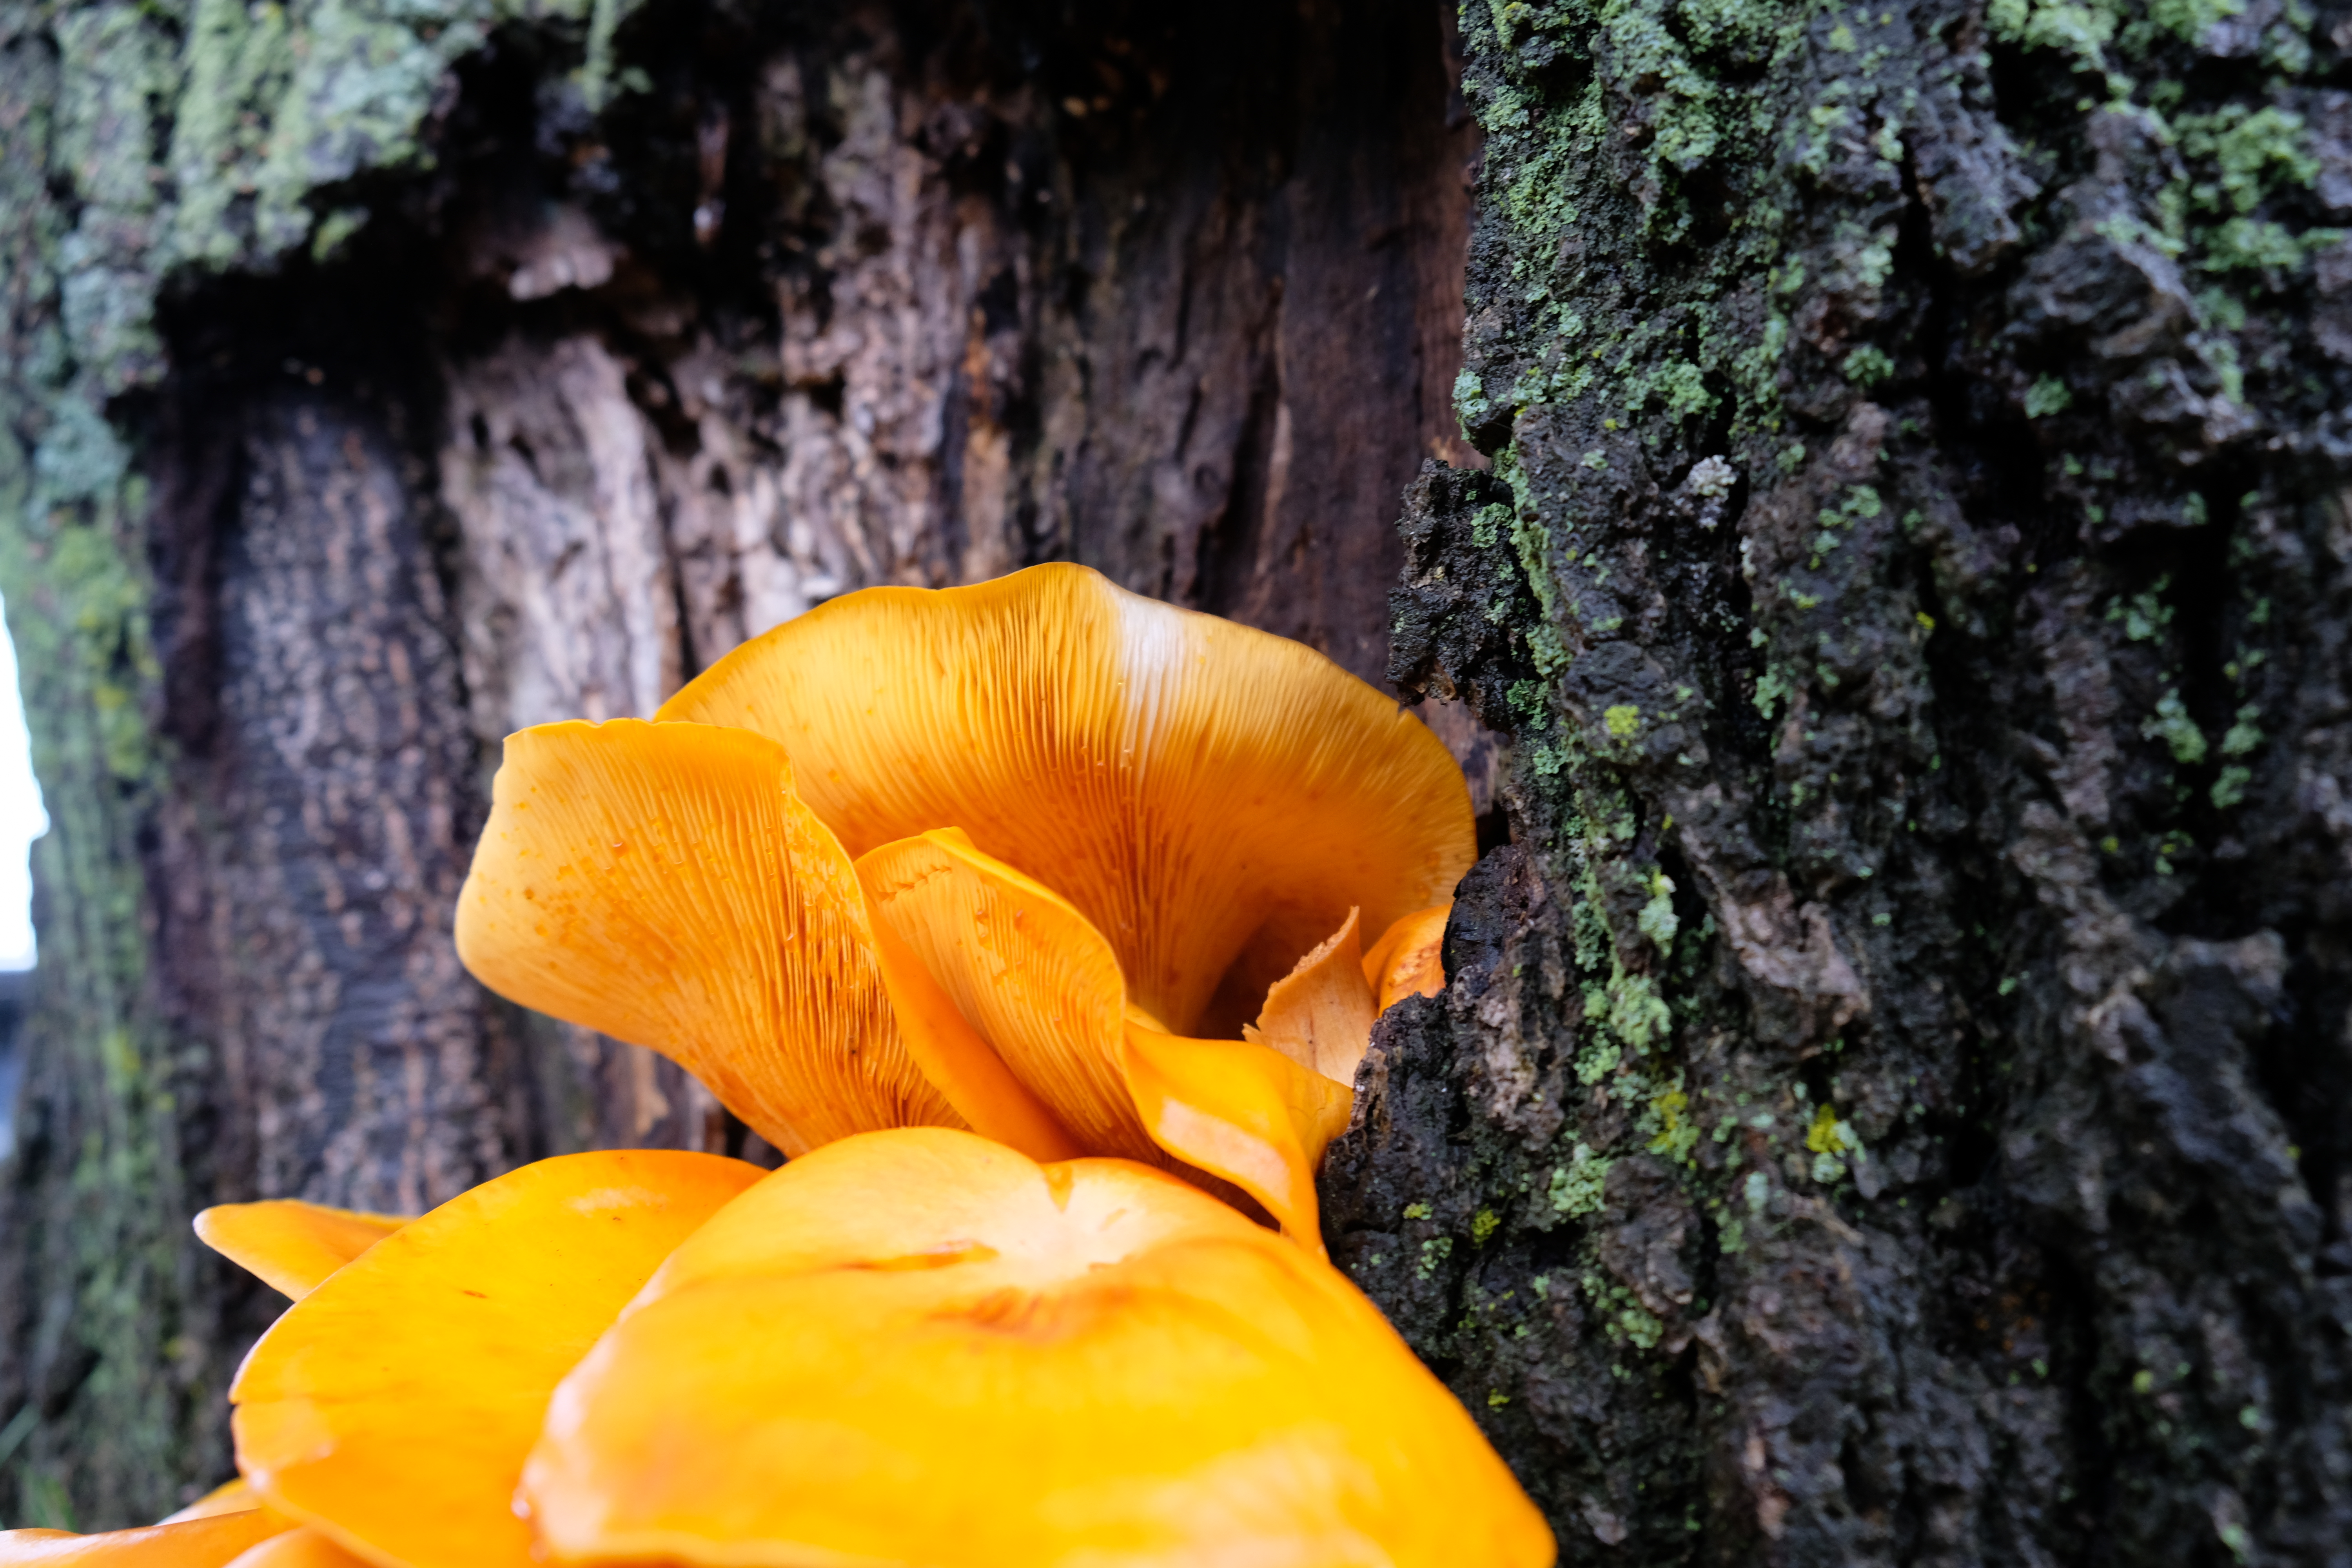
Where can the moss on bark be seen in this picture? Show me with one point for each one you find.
(1893, 1106)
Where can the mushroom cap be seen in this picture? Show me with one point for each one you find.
(663, 884)
(1211, 798)
(289, 1244)
(920, 1346)
(986, 857)
(391, 1407)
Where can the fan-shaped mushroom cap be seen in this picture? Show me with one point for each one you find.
(391, 1407)
(662, 883)
(1212, 798)
(1031, 979)
(922, 1347)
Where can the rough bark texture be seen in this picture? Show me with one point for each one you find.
(376, 382)
(1891, 1101)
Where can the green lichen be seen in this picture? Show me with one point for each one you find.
(2046, 397)
(2252, 245)
(1831, 1142)
(2172, 724)
(261, 112)
(1635, 1014)
(1670, 1129)
(2250, 151)
(1657, 919)
(1868, 365)
(1638, 1325)
(1576, 1187)
(2244, 737)
(2080, 30)
(2145, 615)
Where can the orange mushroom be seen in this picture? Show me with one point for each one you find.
(923, 1347)
(909, 1346)
(390, 1408)
(290, 1245)
(1026, 857)
(211, 1541)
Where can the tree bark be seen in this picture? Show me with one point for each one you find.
(1890, 1102)
(557, 358)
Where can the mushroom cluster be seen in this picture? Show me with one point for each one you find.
(1044, 926)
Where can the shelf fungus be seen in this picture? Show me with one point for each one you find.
(1073, 870)
(911, 1347)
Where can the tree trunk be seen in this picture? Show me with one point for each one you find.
(1891, 1101)
(375, 385)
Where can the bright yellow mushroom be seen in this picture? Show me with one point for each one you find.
(921, 1347)
(911, 1347)
(1026, 857)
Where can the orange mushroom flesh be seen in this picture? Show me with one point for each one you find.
(290, 1245)
(1320, 1014)
(301, 1548)
(1075, 814)
(391, 1409)
(922, 1347)
(664, 884)
(1408, 961)
(1032, 981)
(214, 1541)
(1206, 794)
